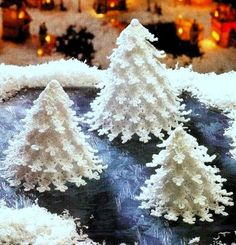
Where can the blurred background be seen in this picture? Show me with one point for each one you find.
(201, 33)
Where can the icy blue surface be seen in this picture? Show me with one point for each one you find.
(108, 206)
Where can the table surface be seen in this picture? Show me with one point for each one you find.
(108, 206)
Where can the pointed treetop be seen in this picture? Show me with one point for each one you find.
(133, 38)
(134, 22)
(176, 137)
(54, 93)
(179, 132)
(136, 31)
(54, 84)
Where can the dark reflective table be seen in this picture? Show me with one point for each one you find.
(108, 206)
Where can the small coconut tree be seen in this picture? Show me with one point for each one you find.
(136, 98)
(183, 185)
(51, 149)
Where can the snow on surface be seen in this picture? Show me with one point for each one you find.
(70, 73)
(214, 59)
(210, 88)
(105, 35)
(216, 90)
(23, 54)
(219, 90)
(35, 225)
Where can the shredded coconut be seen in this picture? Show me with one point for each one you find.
(51, 150)
(35, 225)
(183, 186)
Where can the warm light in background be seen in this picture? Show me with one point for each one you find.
(112, 4)
(21, 15)
(48, 38)
(100, 15)
(13, 15)
(216, 14)
(112, 20)
(40, 52)
(180, 30)
(48, 1)
(208, 44)
(215, 35)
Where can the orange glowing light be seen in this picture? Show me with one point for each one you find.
(216, 14)
(48, 38)
(48, 1)
(112, 4)
(180, 30)
(215, 35)
(100, 15)
(21, 15)
(40, 52)
(208, 44)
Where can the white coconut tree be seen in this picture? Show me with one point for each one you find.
(136, 97)
(183, 185)
(51, 149)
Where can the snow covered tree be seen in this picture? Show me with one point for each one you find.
(183, 185)
(136, 97)
(51, 149)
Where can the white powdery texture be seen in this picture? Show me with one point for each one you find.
(200, 85)
(52, 148)
(231, 133)
(183, 185)
(70, 73)
(136, 97)
(35, 225)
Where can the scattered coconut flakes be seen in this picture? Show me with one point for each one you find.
(194, 240)
(213, 90)
(35, 225)
(209, 88)
(70, 73)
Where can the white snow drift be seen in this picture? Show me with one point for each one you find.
(70, 73)
(35, 225)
